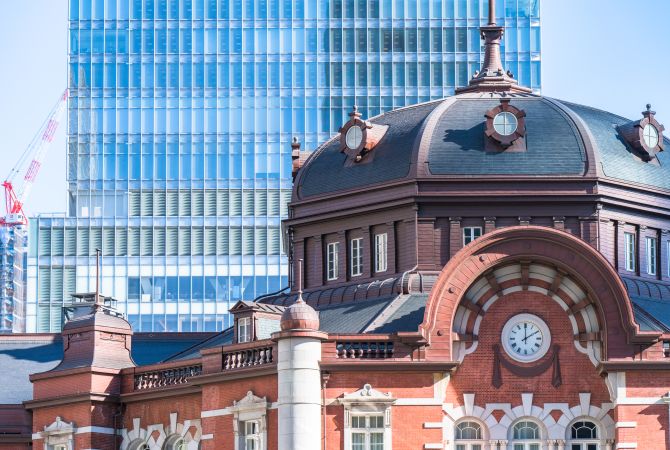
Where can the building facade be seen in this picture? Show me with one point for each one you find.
(13, 279)
(180, 118)
(490, 271)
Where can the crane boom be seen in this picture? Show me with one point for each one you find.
(35, 152)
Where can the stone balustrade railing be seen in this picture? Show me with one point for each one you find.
(166, 377)
(248, 357)
(364, 350)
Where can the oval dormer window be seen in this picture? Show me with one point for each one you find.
(650, 135)
(354, 137)
(505, 123)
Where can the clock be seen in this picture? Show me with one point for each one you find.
(354, 137)
(526, 338)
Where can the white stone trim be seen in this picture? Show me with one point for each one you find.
(58, 432)
(368, 401)
(172, 430)
(626, 445)
(625, 425)
(250, 408)
(98, 430)
(433, 446)
(429, 425)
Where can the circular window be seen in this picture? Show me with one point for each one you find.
(650, 135)
(354, 137)
(505, 123)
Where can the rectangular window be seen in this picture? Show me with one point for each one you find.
(251, 439)
(356, 257)
(470, 234)
(367, 433)
(244, 329)
(629, 251)
(651, 255)
(332, 260)
(380, 252)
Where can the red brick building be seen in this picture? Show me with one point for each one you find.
(486, 272)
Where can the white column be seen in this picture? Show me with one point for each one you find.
(299, 380)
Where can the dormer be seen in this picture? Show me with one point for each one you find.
(358, 137)
(255, 321)
(644, 136)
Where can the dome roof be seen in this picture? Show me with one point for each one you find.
(446, 139)
(299, 316)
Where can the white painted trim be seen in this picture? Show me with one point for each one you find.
(625, 425)
(433, 425)
(206, 437)
(93, 429)
(37, 436)
(640, 401)
(216, 413)
(626, 445)
(433, 446)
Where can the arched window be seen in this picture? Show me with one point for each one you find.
(138, 444)
(526, 436)
(468, 436)
(583, 436)
(175, 442)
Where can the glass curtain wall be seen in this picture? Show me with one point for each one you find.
(181, 114)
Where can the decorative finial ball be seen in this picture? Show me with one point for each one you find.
(355, 108)
(648, 106)
(299, 316)
(295, 139)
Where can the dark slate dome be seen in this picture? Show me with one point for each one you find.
(446, 139)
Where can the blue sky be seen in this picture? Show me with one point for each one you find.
(610, 54)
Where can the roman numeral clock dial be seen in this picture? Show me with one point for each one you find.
(526, 338)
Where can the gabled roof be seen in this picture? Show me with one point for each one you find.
(243, 305)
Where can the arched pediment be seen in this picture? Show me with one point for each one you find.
(551, 262)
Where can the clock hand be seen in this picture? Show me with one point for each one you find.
(524, 339)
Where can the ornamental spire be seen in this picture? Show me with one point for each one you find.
(492, 77)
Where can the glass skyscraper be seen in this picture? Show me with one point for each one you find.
(181, 114)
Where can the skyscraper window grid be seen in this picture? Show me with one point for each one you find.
(180, 119)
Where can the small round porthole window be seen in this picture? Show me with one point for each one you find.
(650, 135)
(505, 123)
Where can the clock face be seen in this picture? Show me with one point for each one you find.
(354, 137)
(526, 338)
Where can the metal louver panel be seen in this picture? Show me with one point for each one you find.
(285, 198)
(108, 241)
(184, 241)
(197, 203)
(146, 241)
(147, 204)
(133, 241)
(121, 242)
(70, 245)
(210, 241)
(235, 202)
(260, 241)
(45, 241)
(222, 241)
(172, 204)
(69, 282)
(43, 319)
(247, 202)
(55, 319)
(82, 242)
(57, 241)
(56, 284)
(44, 284)
(273, 202)
(210, 203)
(261, 203)
(222, 202)
(171, 242)
(235, 246)
(159, 203)
(247, 241)
(197, 241)
(274, 241)
(159, 241)
(95, 241)
(184, 203)
(133, 203)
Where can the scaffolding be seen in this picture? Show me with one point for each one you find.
(13, 279)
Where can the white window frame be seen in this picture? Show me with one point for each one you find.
(469, 234)
(470, 444)
(356, 257)
(583, 443)
(59, 434)
(381, 252)
(244, 332)
(250, 409)
(332, 260)
(525, 444)
(251, 440)
(651, 245)
(367, 430)
(366, 402)
(629, 251)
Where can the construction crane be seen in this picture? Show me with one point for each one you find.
(35, 153)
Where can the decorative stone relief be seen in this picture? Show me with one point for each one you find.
(365, 401)
(156, 435)
(250, 408)
(59, 433)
